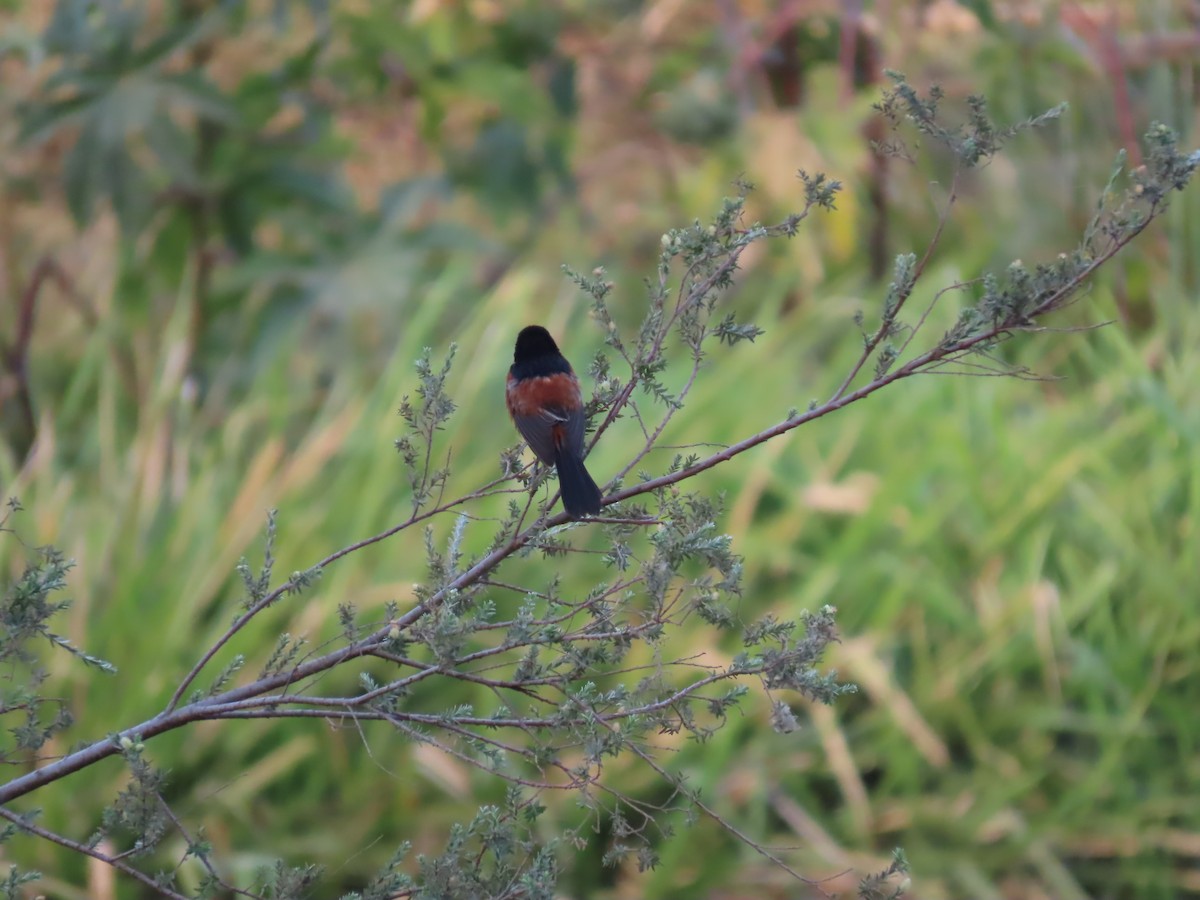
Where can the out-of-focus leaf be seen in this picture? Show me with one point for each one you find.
(70, 30)
(126, 109)
(400, 201)
(129, 189)
(173, 42)
(17, 40)
(323, 189)
(561, 87)
(380, 53)
(558, 163)
(499, 166)
(700, 110)
(281, 12)
(299, 67)
(236, 218)
(376, 262)
(193, 92)
(433, 113)
(527, 35)
(510, 91)
(81, 174)
(117, 90)
(175, 149)
(41, 121)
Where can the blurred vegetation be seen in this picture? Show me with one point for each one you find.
(228, 228)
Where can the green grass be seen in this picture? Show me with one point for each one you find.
(1015, 574)
(1013, 593)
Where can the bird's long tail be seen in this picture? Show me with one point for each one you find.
(580, 495)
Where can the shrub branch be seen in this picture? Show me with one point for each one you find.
(555, 669)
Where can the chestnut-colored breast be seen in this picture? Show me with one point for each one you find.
(557, 393)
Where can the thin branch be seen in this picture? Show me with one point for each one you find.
(728, 826)
(116, 863)
(876, 339)
(287, 586)
(204, 860)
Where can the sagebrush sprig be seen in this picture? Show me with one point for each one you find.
(26, 609)
(425, 417)
(27, 824)
(137, 810)
(973, 142)
(258, 586)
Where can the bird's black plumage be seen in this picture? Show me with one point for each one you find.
(536, 354)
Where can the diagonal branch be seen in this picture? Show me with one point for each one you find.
(174, 716)
(117, 863)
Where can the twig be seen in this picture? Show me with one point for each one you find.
(115, 862)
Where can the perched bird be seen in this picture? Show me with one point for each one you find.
(546, 405)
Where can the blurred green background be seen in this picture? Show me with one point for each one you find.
(228, 228)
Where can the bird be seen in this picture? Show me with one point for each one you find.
(546, 405)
